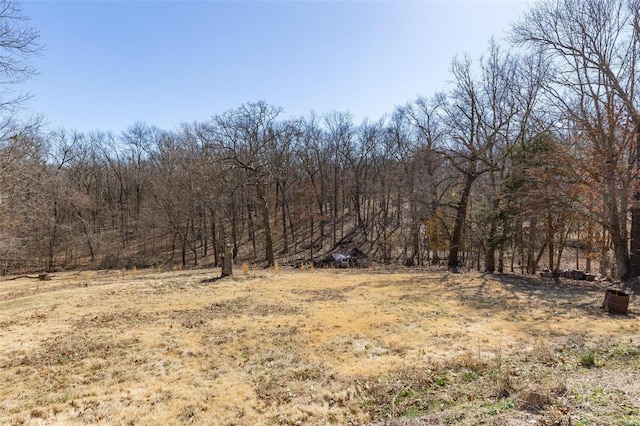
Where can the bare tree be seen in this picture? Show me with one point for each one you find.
(340, 133)
(19, 42)
(245, 137)
(418, 132)
(314, 156)
(593, 44)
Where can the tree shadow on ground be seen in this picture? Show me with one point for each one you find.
(567, 294)
(517, 293)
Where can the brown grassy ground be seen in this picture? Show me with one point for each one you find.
(313, 347)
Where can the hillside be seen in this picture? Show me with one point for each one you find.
(313, 347)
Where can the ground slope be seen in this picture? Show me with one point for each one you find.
(313, 347)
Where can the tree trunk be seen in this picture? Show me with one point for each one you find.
(335, 204)
(252, 231)
(561, 244)
(204, 236)
(550, 238)
(620, 250)
(234, 228)
(53, 238)
(618, 235)
(490, 260)
(492, 245)
(634, 255)
(227, 260)
(85, 230)
(268, 236)
(494, 218)
(589, 249)
(415, 240)
(461, 214)
(214, 241)
(531, 259)
(311, 225)
(281, 202)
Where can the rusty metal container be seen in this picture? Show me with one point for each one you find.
(616, 301)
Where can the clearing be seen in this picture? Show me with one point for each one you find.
(314, 347)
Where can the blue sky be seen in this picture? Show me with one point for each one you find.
(108, 64)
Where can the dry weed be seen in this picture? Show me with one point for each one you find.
(323, 295)
(328, 347)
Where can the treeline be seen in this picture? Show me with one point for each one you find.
(531, 149)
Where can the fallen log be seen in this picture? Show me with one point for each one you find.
(39, 277)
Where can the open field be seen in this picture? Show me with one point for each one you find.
(314, 347)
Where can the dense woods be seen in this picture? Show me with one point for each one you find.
(532, 150)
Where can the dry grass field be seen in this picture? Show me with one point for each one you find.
(314, 348)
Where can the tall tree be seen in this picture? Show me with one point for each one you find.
(594, 45)
(19, 42)
(340, 133)
(418, 131)
(314, 157)
(245, 136)
(480, 116)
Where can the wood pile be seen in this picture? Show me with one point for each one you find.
(572, 274)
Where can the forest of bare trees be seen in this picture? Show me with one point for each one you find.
(530, 153)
